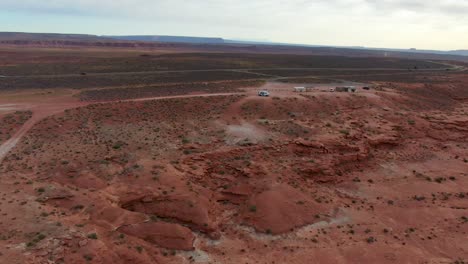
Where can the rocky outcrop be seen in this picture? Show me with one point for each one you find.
(281, 209)
(186, 209)
(166, 235)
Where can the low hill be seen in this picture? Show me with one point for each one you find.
(20, 36)
(171, 39)
(201, 44)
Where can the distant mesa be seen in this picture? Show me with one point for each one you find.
(155, 41)
(22, 36)
(170, 39)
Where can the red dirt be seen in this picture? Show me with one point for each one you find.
(282, 209)
(9, 123)
(39, 112)
(374, 176)
(171, 236)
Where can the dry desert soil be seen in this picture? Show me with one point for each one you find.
(138, 156)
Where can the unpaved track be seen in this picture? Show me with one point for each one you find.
(245, 70)
(176, 96)
(11, 143)
(42, 111)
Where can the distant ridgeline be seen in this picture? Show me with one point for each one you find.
(171, 39)
(217, 44)
(35, 38)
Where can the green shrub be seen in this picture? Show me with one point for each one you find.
(92, 236)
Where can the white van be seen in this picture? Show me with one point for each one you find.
(263, 93)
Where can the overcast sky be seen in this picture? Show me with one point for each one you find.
(423, 24)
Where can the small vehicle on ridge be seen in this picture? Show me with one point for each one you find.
(263, 93)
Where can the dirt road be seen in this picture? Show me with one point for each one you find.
(40, 111)
(43, 110)
(246, 70)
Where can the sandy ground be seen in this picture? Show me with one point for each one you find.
(374, 176)
(48, 103)
(57, 105)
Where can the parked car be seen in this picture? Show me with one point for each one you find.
(263, 93)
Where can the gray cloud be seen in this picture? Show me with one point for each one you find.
(346, 22)
(224, 9)
(447, 7)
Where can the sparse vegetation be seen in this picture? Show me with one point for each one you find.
(92, 236)
(153, 176)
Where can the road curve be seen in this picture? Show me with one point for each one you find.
(246, 70)
(44, 111)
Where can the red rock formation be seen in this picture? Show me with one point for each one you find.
(167, 235)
